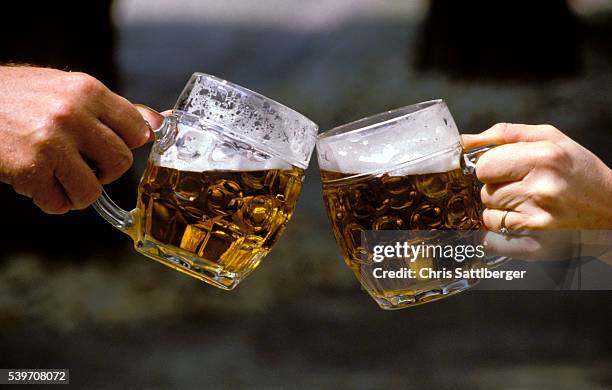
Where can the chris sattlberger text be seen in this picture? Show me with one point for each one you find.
(429, 273)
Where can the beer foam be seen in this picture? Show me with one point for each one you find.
(197, 149)
(269, 125)
(425, 138)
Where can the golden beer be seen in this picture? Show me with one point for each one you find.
(427, 202)
(220, 184)
(224, 221)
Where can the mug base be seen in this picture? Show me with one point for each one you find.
(402, 301)
(193, 266)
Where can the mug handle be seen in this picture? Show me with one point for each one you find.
(470, 157)
(468, 166)
(109, 210)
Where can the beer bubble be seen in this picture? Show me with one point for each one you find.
(255, 179)
(188, 187)
(158, 177)
(456, 211)
(396, 185)
(361, 201)
(191, 144)
(220, 194)
(193, 238)
(257, 211)
(352, 235)
(432, 186)
(389, 222)
(427, 216)
(219, 241)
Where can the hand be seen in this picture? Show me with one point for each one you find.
(57, 128)
(543, 178)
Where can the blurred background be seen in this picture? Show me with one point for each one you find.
(73, 293)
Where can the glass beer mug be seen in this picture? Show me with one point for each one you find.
(402, 170)
(221, 182)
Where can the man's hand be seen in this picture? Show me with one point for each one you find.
(57, 128)
(543, 178)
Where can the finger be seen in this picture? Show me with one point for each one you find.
(503, 196)
(78, 181)
(124, 119)
(506, 133)
(106, 151)
(50, 196)
(492, 220)
(505, 163)
(516, 247)
(152, 117)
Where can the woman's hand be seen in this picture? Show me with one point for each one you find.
(542, 178)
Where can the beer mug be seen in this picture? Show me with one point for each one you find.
(401, 170)
(221, 182)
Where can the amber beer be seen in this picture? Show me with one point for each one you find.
(436, 201)
(225, 221)
(221, 183)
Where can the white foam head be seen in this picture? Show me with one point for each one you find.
(423, 136)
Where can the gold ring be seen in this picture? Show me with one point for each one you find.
(504, 229)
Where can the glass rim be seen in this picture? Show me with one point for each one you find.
(381, 119)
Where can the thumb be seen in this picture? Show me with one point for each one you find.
(507, 133)
(154, 118)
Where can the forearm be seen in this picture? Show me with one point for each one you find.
(604, 199)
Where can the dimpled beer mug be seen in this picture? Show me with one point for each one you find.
(221, 182)
(402, 170)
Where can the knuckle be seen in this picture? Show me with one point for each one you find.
(486, 195)
(124, 162)
(88, 198)
(509, 131)
(42, 138)
(549, 154)
(53, 206)
(504, 127)
(118, 167)
(549, 129)
(84, 84)
(28, 173)
(65, 111)
(548, 194)
(93, 194)
(69, 106)
(541, 221)
(47, 144)
(483, 167)
(21, 186)
(487, 219)
(59, 209)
